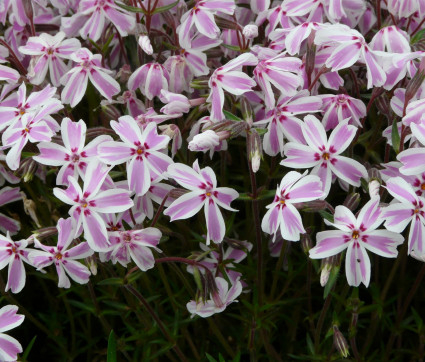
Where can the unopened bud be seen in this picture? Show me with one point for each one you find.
(374, 187)
(326, 271)
(198, 279)
(312, 206)
(310, 60)
(177, 192)
(352, 201)
(246, 110)
(145, 44)
(204, 141)
(340, 342)
(29, 208)
(223, 23)
(44, 233)
(199, 84)
(255, 149)
(124, 73)
(250, 31)
(92, 263)
(306, 242)
(29, 11)
(415, 83)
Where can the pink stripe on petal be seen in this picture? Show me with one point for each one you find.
(306, 189)
(204, 22)
(344, 56)
(329, 243)
(357, 265)
(17, 277)
(270, 222)
(416, 236)
(104, 83)
(185, 206)
(342, 136)
(314, 133)
(73, 134)
(215, 222)
(383, 242)
(80, 251)
(290, 223)
(348, 170)
(370, 215)
(51, 154)
(142, 256)
(115, 200)
(75, 88)
(95, 231)
(402, 190)
(413, 161)
(77, 271)
(9, 347)
(138, 175)
(9, 319)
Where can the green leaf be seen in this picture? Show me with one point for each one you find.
(112, 348)
(395, 137)
(28, 349)
(231, 47)
(162, 9)
(261, 131)
(417, 37)
(232, 117)
(326, 215)
(111, 281)
(130, 8)
(210, 358)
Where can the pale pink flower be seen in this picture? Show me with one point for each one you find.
(229, 77)
(150, 78)
(339, 107)
(410, 208)
(282, 215)
(204, 141)
(9, 346)
(281, 71)
(92, 17)
(88, 66)
(282, 121)
(202, 184)
(13, 254)
(88, 202)
(134, 245)
(48, 52)
(142, 150)
(250, 31)
(413, 159)
(73, 156)
(357, 235)
(218, 301)
(324, 154)
(349, 46)
(63, 257)
(202, 16)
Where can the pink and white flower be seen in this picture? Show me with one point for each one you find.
(324, 154)
(203, 192)
(13, 254)
(413, 159)
(134, 245)
(357, 235)
(218, 301)
(88, 202)
(48, 52)
(410, 208)
(142, 150)
(282, 214)
(73, 156)
(230, 78)
(88, 66)
(63, 257)
(150, 78)
(9, 346)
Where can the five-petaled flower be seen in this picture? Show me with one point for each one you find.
(356, 235)
(202, 184)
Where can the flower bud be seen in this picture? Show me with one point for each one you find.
(306, 243)
(29, 208)
(204, 141)
(374, 187)
(250, 31)
(29, 11)
(246, 110)
(352, 201)
(92, 263)
(124, 73)
(177, 192)
(44, 233)
(340, 342)
(326, 270)
(145, 44)
(255, 150)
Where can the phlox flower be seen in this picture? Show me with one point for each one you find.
(349, 46)
(282, 121)
(339, 107)
(202, 16)
(13, 254)
(410, 208)
(324, 154)
(73, 156)
(8, 195)
(134, 245)
(88, 66)
(150, 78)
(230, 78)
(8, 74)
(93, 15)
(281, 71)
(9, 346)
(282, 214)
(391, 39)
(413, 159)
(12, 111)
(48, 52)
(357, 235)
(219, 299)
(88, 202)
(142, 150)
(62, 256)
(204, 192)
